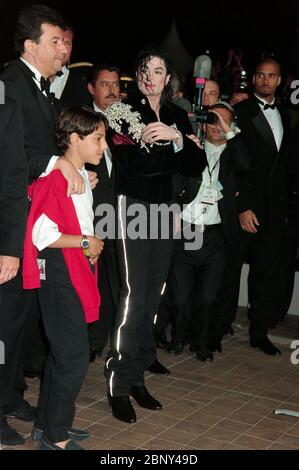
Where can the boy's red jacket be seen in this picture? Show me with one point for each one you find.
(49, 197)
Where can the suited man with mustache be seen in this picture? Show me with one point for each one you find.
(261, 207)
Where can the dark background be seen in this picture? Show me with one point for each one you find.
(108, 29)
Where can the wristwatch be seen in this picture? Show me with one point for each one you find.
(84, 242)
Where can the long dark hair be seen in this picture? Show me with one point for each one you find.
(144, 57)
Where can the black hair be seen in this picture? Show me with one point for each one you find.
(267, 60)
(80, 119)
(145, 56)
(29, 24)
(97, 68)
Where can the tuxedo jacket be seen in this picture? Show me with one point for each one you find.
(75, 92)
(13, 181)
(264, 190)
(38, 114)
(234, 167)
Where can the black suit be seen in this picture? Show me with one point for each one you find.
(196, 275)
(263, 191)
(75, 92)
(38, 116)
(13, 213)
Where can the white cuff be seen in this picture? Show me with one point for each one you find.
(229, 135)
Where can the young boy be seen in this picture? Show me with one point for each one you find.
(60, 257)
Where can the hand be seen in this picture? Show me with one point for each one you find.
(93, 179)
(195, 140)
(248, 221)
(93, 259)
(9, 266)
(74, 179)
(224, 125)
(159, 131)
(95, 246)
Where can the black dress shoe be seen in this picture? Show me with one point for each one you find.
(203, 353)
(26, 413)
(266, 346)
(144, 399)
(176, 347)
(215, 344)
(157, 368)
(122, 408)
(93, 354)
(9, 436)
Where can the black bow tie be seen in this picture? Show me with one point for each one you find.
(45, 86)
(266, 105)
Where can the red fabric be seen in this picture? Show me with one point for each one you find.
(121, 139)
(49, 197)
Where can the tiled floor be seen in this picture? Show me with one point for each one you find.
(226, 404)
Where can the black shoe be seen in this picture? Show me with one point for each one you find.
(176, 347)
(45, 444)
(144, 399)
(229, 331)
(9, 436)
(122, 408)
(26, 413)
(203, 353)
(157, 368)
(93, 354)
(215, 344)
(266, 346)
(74, 434)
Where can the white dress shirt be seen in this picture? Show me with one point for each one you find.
(107, 153)
(274, 120)
(199, 213)
(59, 82)
(36, 78)
(45, 231)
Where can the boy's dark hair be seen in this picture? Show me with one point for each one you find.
(29, 24)
(79, 119)
(97, 68)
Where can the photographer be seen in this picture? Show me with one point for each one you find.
(213, 203)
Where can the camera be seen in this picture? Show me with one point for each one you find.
(203, 116)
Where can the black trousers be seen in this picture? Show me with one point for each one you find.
(144, 265)
(68, 359)
(194, 283)
(109, 286)
(262, 252)
(15, 321)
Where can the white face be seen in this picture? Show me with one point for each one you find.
(49, 53)
(92, 147)
(153, 80)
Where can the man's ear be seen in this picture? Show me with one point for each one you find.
(90, 88)
(30, 47)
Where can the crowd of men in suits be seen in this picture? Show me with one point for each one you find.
(241, 200)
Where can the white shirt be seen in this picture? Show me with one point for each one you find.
(107, 153)
(36, 78)
(197, 212)
(45, 231)
(58, 84)
(274, 120)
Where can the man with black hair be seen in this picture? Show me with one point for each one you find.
(40, 46)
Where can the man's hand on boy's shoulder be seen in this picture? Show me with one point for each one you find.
(74, 179)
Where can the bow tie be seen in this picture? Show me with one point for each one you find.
(266, 105)
(45, 86)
